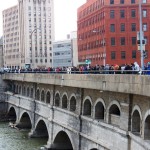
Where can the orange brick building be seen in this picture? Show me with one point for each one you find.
(107, 31)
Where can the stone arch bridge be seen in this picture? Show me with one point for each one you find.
(82, 112)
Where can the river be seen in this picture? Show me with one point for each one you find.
(12, 139)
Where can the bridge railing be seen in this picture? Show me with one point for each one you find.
(141, 72)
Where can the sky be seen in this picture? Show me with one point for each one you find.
(65, 13)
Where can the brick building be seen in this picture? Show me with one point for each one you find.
(107, 31)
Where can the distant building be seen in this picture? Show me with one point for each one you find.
(107, 31)
(74, 44)
(1, 53)
(12, 54)
(28, 34)
(65, 52)
(62, 53)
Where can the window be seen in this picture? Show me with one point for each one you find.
(112, 14)
(111, 1)
(122, 27)
(144, 26)
(144, 13)
(132, 1)
(29, 8)
(133, 13)
(112, 41)
(123, 55)
(113, 55)
(144, 1)
(146, 54)
(122, 13)
(133, 27)
(122, 40)
(112, 28)
(133, 40)
(134, 54)
(146, 39)
(121, 1)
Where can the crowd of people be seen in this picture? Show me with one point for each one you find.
(132, 68)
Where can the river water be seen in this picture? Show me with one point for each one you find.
(12, 139)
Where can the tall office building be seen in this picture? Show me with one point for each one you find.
(11, 38)
(1, 53)
(107, 31)
(35, 31)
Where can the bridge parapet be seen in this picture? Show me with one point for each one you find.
(134, 84)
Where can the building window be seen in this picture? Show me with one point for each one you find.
(133, 27)
(133, 13)
(134, 54)
(146, 39)
(112, 14)
(113, 55)
(122, 40)
(123, 55)
(122, 13)
(122, 27)
(144, 13)
(144, 26)
(111, 1)
(121, 1)
(133, 40)
(144, 1)
(132, 1)
(146, 54)
(112, 41)
(112, 28)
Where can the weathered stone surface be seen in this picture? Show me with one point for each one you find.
(125, 100)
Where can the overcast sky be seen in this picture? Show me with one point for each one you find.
(65, 15)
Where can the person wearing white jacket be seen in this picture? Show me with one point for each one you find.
(136, 68)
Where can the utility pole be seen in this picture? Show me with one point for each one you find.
(141, 35)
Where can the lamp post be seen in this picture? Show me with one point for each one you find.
(141, 35)
(31, 61)
(103, 44)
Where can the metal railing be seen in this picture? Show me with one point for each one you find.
(141, 72)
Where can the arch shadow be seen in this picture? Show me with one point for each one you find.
(62, 141)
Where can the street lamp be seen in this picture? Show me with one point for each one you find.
(141, 35)
(103, 44)
(31, 61)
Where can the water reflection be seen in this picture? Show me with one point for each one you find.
(12, 139)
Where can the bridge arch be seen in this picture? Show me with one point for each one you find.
(17, 87)
(48, 97)
(28, 91)
(146, 125)
(87, 106)
(114, 113)
(20, 90)
(41, 129)
(136, 119)
(62, 140)
(24, 91)
(72, 103)
(57, 99)
(31, 92)
(42, 95)
(99, 109)
(12, 114)
(65, 100)
(25, 121)
(38, 94)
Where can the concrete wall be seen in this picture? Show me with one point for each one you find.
(114, 131)
(133, 84)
